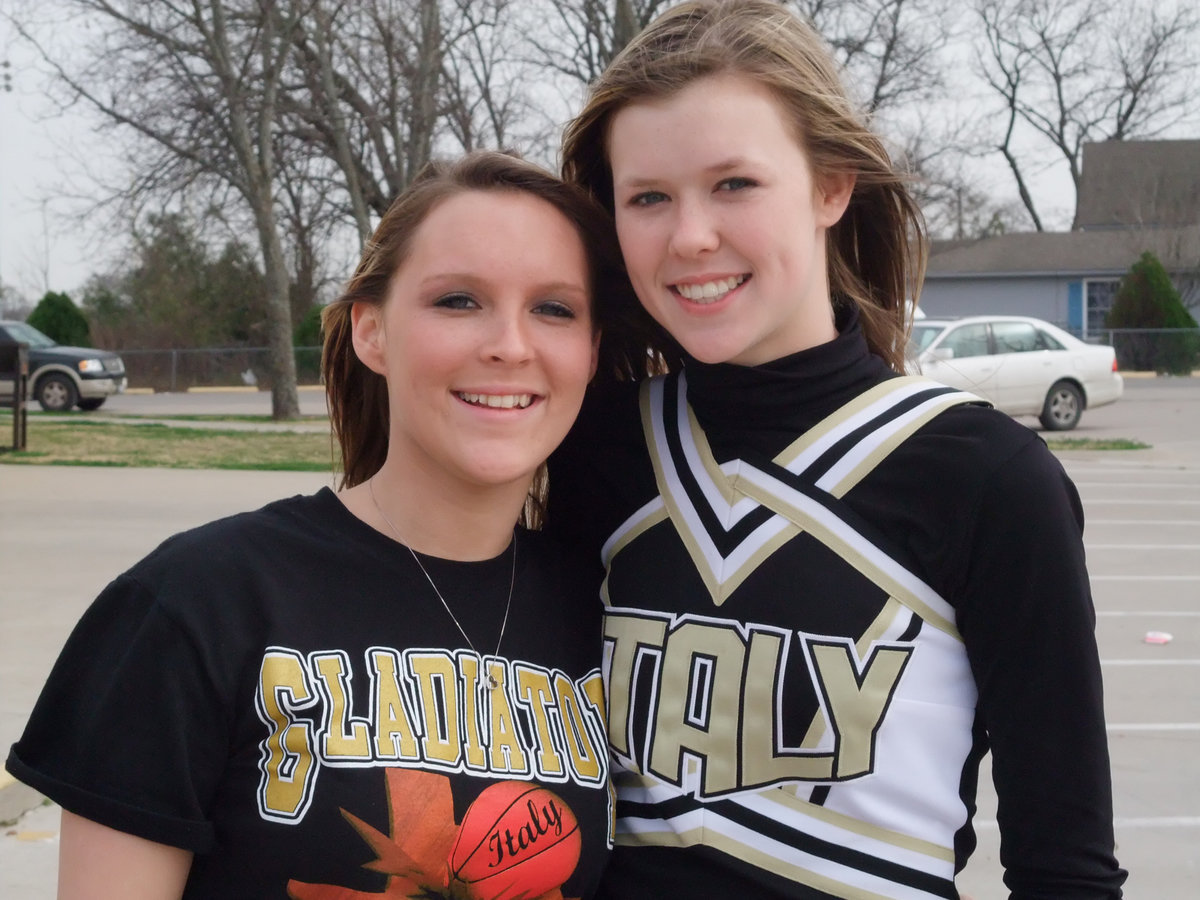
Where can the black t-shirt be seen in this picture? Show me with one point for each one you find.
(282, 693)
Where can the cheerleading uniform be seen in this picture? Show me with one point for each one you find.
(282, 694)
(829, 591)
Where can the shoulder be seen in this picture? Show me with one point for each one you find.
(208, 563)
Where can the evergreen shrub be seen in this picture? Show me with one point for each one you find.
(1148, 299)
(57, 317)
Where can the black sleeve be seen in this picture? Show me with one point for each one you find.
(1027, 618)
(128, 730)
(594, 473)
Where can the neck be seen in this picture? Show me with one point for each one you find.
(464, 524)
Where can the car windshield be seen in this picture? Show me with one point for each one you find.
(922, 336)
(27, 334)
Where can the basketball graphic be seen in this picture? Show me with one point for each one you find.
(516, 841)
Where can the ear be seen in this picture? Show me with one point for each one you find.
(833, 196)
(370, 343)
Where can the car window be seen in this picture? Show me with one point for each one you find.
(967, 340)
(922, 336)
(27, 334)
(1018, 337)
(1049, 342)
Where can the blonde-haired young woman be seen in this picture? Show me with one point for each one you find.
(830, 587)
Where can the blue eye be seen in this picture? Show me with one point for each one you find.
(555, 309)
(456, 300)
(648, 198)
(736, 184)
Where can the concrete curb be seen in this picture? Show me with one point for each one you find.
(16, 798)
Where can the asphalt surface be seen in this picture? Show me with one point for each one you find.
(65, 532)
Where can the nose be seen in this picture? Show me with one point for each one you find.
(694, 230)
(508, 339)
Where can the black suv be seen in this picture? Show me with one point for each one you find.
(62, 377)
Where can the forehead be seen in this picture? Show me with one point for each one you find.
(723, 115)
(500, 233)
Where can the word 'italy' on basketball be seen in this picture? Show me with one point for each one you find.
(429, 709)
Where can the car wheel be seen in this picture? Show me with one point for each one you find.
(56, 393)
(1063, 407)
(91, 403)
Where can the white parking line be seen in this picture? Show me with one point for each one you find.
(1145, 577)
(1155, 726)
(1135, 484)
(1090, 521)
(1150, 662)
(1092, 546)
(1126, 823)
(1137, 502)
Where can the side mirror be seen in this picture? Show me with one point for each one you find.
(941, 354)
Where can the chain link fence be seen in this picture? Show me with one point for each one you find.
(1173, 351)
(1168, 351)
(181, 370)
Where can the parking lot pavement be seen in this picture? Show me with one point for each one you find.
(1142, 539)
(66, 531)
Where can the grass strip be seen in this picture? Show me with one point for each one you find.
(1095, 444)
(99, 443)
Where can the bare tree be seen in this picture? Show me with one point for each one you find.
(196, 85)
(891, 50)
(1071, 72)
(579, 38)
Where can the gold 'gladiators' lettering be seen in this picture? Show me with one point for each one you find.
(285, 788)
(533, 687)
(395, 736)
(717, 697)
(428, 708)
(341, 738)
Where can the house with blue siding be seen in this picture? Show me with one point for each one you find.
(1133, 196)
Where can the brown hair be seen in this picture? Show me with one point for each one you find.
(876, 252)
(357, 396)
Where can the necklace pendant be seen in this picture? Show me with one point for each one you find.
(492, 683)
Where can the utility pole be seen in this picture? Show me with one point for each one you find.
(5, 88)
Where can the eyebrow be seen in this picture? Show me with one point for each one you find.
(474, 280)
(731, 164)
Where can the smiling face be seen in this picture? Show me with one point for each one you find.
(485, 339)
(721, 222)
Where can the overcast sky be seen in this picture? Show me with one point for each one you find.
(47, 242)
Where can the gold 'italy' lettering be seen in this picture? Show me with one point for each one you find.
(857, 701)
(682, 689)
(626, 635)
(762, 761)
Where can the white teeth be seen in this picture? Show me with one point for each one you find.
(497, 401)
(710, 291)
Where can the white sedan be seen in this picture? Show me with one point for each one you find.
(1024, 366)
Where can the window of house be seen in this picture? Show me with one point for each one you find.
(1100, 294)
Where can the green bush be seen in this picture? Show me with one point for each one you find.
(1148, 299)
(58, 317)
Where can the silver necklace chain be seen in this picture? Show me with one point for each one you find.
(492, 683)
